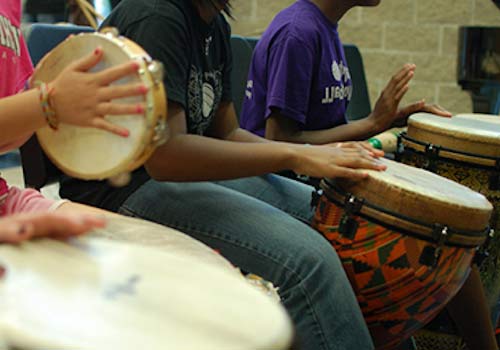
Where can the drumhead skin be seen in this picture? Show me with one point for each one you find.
(94, 293)
(422, 195)
(94, 154)
(481, 136)
(490, 118)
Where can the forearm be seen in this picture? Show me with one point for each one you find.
(196, 158)
(352, 131)
(242, 135)
(20, 115)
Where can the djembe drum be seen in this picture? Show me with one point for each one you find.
(466, 149)
(406, 238)
(96, 293)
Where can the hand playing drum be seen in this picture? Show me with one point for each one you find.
(21, 227)
(122, 92)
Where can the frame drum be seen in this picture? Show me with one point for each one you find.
(94, 154)
(95, 293)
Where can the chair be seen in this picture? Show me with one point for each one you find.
(242, 56)
(359, 107)
(37, 169)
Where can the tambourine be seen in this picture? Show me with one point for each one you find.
(94, 154)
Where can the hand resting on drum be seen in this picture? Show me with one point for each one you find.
(387, 112)
(342, 159)
(20, 227)
(77, 96)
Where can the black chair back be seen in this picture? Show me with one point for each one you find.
(359, 107)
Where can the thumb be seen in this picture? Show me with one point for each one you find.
(412, 108)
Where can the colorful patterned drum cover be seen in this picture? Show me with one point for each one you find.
(466, 149)
(406, 238)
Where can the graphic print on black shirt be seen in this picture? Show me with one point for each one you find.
(204, 96)
(197, 59)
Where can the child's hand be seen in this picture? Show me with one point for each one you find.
(20, 227)
(83, 98)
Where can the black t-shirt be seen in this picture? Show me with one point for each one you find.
(197, 61)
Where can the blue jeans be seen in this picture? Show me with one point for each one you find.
(260, 224)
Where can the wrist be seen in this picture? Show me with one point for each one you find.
(45, 91)
(293, 155)
(375, 124)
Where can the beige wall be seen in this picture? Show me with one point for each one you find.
(424, 32)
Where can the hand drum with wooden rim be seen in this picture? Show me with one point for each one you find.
(94, 154)
(94, 293)
(406, 238)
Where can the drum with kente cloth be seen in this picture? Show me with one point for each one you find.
(465, 149)
(97, 293)
(406, 238)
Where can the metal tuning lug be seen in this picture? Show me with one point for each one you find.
(348, 226)
(432, 254)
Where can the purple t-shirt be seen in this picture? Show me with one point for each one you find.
(298, 67)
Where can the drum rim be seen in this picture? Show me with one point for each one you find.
(421, 230)
(154, 112)
(456, 155)
(426, 126)
(282, 338)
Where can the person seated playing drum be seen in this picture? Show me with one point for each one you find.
(299, 87)
(260, 223)
(299, 83)
(76, 97)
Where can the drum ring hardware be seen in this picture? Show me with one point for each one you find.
(348, 225)
(431, 255)
(432, 152)
(483, 251)
(315, 197)
(399, 147)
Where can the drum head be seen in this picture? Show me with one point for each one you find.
(421, 195)
(98, 294)
(490, 118)
(481, 137)
(90, 153)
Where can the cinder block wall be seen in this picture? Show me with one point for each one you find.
(424, 32)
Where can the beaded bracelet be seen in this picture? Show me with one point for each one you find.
(44, 97)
